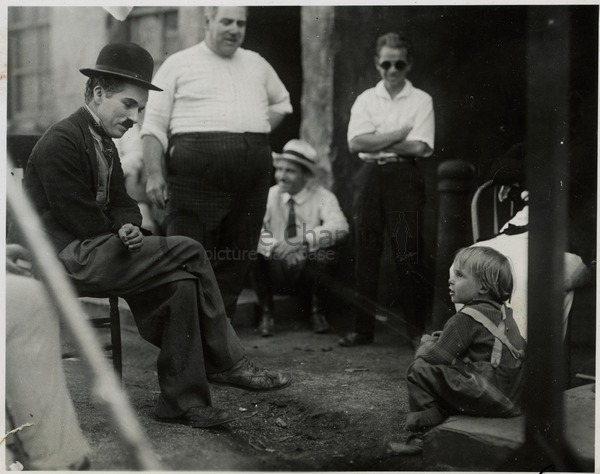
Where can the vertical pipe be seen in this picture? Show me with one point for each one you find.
(547, 172)
(455, 181)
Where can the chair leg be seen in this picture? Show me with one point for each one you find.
(115, 336)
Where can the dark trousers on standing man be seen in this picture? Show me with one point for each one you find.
(391, 198)
(218, 187)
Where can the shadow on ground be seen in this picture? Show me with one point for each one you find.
(344, 406)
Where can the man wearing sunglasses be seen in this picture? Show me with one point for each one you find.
(390, 126)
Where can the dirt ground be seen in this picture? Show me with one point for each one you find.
(344, 406)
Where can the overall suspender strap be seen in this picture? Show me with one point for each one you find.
(497, 332)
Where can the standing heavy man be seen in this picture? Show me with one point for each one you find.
(75, 180)
(211, 124)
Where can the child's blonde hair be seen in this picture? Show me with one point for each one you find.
(490, 267)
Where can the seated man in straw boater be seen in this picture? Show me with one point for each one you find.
(303, 225)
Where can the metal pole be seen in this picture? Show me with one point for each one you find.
(455, 181)
(106, 386)
(547, 173)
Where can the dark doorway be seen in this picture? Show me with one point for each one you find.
(274, 33)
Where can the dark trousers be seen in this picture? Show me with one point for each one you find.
(459, 389)
(392, 198)
(174, 297)
(218, 187)
(271, 276)
(192, 343)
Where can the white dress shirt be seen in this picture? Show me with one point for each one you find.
(319, 218)
(376, 112)
(204, 92)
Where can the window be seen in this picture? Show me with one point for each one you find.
(156, 29)
(28, 68)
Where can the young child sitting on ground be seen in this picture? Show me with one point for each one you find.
(475, 365)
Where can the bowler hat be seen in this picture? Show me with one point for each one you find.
(299, 152)
(127, 61)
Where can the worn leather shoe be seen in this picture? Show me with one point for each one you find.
(202, 417)
(248, 376)
(355, 339)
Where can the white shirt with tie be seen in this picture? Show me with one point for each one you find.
(319, 218)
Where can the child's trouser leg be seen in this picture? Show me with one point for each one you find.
(425, 410)
(454, 389)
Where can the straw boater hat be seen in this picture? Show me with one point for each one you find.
(127, 61)
(299, 152)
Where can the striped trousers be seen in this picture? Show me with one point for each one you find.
(218, 186)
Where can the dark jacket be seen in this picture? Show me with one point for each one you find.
(62, 178)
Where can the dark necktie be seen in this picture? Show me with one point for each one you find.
(108, 146)
(290, 230)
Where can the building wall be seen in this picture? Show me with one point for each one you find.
(76, 34)
(87, 33)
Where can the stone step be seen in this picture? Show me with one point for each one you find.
(246, 311)
(464, 443)
(286, 308)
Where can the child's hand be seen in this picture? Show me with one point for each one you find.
(427, 338)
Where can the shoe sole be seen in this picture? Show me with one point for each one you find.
(249, 389)
(194, 424)
(404, 449)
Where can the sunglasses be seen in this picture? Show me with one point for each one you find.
(399, 65)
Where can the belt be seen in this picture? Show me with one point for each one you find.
(219, 133)
(394, 159)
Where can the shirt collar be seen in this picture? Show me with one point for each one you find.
(381, 91)
(205, 49)
(521, 218)
(299, 197)
(95, 134)
(94, 116)
(489, 301)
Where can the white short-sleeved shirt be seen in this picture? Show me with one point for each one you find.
(375, 111)
(204, 92)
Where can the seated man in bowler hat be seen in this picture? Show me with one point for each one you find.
(302, 225)
(75, 180)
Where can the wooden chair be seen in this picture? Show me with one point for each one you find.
(19, 148)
